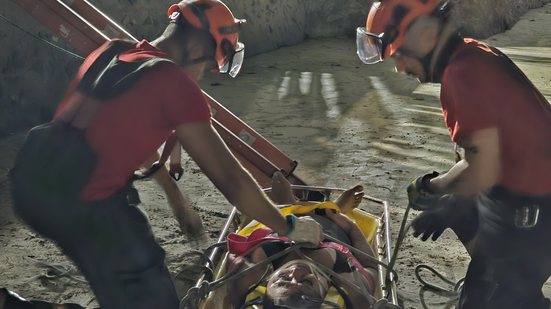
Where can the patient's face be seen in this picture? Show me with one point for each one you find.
(296, 278)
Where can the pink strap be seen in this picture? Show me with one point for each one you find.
(344, 250)
(241, 245)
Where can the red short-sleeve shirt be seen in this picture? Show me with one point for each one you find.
(482, 89)
(126, 130)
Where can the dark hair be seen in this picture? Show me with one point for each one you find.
(183, 33)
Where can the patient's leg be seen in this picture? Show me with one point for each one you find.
(350, 199)
(281, 190)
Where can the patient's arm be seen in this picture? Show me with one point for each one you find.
(356, 236)
(359, 242)
(240, 286)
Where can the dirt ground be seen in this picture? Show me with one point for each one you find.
(345, 123)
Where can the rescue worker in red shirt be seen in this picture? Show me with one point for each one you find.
(503, 123)
(111, 241)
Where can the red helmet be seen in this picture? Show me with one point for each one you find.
(215, 17)
(386, 24)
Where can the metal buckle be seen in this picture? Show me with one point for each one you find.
(133, 197)
(527, 217)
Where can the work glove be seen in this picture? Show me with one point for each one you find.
(432, 223)
(420, 196)
(304, 229)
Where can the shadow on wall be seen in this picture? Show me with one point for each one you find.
(34, 76)
(311, 98)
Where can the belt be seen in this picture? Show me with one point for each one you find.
(516, 199)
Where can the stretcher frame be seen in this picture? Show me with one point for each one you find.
(382, 241)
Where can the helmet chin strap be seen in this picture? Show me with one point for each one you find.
(436, 60)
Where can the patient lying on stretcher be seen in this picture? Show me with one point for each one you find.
(300, 279)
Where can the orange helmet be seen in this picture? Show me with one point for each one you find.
(386, 24)
(216, 18)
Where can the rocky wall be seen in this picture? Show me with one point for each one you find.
(34, 75)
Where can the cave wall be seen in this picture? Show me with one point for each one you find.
(35, 75)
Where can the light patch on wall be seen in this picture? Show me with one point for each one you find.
(305, 83)
(283, 90)
(330, 95)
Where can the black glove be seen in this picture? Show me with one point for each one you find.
(435, 221)
(420, 196)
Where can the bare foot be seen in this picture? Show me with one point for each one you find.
(350, 199)
(281, 190)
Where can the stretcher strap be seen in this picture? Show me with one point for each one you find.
(351, 259)
(242, 245)
(176, 171)
(169, 145)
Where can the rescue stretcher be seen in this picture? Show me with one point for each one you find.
(85, 28)
(372, 216)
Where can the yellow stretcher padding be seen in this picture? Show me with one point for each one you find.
(367, 223)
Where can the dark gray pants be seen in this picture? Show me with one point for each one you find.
(509, 264)
(112, 244)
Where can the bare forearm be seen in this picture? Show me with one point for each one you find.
(215, 159)
(450, 182)
(463, 180)
(479, 171)
(360, 242)
(248, 198)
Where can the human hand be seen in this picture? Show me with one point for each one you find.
(419, 194)
(432, 223)
(189, 220)
(307, 230)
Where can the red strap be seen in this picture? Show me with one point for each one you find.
(241, 245)
(176, 169)
(169, 145)
(344, 250)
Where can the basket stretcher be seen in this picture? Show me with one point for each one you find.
(372, 216)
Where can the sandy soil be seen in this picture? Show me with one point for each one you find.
(344, 122)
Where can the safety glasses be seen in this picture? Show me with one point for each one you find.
(370, 46)
(235, 61)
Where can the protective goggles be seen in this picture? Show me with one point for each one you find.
(370, 46)
(235, 61)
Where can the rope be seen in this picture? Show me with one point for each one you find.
(54, 271)
(452, 293)
(59, 48)
(404, 228)
(456, 285)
